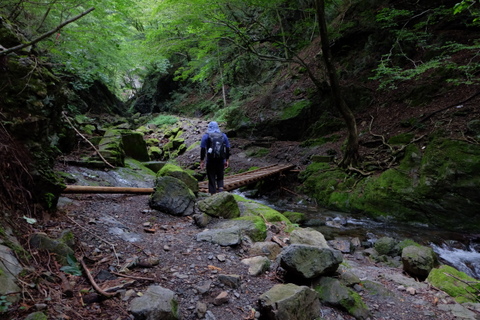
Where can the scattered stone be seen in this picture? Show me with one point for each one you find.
(230, 280)
(221, 258)
(204, 287)
(257, 265)
(344, 246)
(221, 298)
(156, 303)
(411, 291)
(201, 309)
(386, 246)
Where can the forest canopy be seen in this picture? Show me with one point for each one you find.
(217, 42)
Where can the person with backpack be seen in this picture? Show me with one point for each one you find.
(215, 147)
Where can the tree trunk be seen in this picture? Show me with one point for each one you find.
(351, 155)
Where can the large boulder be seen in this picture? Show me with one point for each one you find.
(290, 302)
(172, 196)
(386, 246)
(309, 262)
(111, 147)
(220, 205)
(418, 261)
(333, 292)
(156, 303)
(309, 237)
(172, 170)
(134, 146)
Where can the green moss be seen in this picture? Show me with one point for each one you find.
(406, 243)
(294, 217)
(403, 138)
(454, 283)
(295, 109)
(194, 145)
(257, 152)
(260, 226)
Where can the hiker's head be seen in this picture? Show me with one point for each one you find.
(213, 127)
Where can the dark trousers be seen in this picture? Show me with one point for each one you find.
(215, 171)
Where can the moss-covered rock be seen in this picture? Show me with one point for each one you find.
(221, 204)
(111, 147)
(456, 283)
(134, 146)
(333, 292)
(427, 187)
(169, 169)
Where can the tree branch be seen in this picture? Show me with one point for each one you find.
(45, 35)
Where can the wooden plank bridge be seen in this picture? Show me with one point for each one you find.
(230, 182)
(242, 179)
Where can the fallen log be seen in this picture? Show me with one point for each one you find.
(99, 189)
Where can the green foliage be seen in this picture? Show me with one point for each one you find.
(162, 120)
(400, 63)
(73, 267)
(4, 304)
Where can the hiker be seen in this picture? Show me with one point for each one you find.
(216, 148)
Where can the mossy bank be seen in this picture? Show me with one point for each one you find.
(436, 184)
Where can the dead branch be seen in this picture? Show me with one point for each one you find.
(132, 277)
(366, 174)
(92, 281)
(88, 141)
(45, 35)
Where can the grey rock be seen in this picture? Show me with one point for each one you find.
(156, 303)
(283, 300)
(230, 280)
(257, 265)
(222, 204)
(308, 261)
(418, 261)
(268, 249)
(333, 293)
(309, 237)
(172, 196)
(223, 237)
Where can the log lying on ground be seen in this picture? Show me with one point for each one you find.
(97, 189)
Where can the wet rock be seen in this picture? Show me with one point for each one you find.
(172, 196)
(309, 237)
(156, 303)
(418, 261)
(257, 265)
(283, 300)
(308, 261)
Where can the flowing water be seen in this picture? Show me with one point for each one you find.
(459, 250)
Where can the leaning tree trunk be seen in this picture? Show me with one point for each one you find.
(351, 155)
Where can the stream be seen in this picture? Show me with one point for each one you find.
(456, 249)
